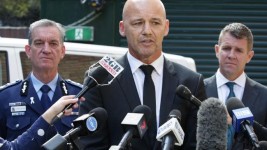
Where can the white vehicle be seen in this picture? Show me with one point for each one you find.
(15, 65)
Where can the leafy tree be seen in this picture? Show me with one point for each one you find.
(19, 12)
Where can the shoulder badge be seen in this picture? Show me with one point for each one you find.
(74, 83)
(64, 87)
(9, 85)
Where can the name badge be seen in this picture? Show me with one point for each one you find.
(18, 113)
(17, 104)
(17, 108)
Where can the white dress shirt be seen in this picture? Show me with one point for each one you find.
(139, 77)
(223, 90)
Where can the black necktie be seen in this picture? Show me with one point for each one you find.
(45, 100)
(230, 85)
(149, 99)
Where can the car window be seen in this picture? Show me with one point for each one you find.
(3, 68)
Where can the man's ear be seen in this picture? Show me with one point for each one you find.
(121, 28)
(217, 49)
(27, 49)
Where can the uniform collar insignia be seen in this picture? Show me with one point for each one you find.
(24, 88)
(64, 88)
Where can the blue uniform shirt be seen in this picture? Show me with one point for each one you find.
(20, 107)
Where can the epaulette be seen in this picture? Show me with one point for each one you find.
(74, 83)
(10, 84)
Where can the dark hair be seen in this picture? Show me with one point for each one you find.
(239, 31)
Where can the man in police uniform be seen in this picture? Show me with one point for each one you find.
(24, 101)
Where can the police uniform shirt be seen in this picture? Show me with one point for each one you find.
(21, 106)
(37, 84)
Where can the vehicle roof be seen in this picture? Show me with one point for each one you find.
(95, 50)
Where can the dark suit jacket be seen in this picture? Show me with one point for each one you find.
(254, 97)
(121, 97)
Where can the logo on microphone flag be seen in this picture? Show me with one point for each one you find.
(113, 67)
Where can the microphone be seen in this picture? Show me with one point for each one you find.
(171, 132)
(260, 130)
(184, 92)
(135, 125)
(212, 125)
(83, 125)
(242, 119)
(96, 75)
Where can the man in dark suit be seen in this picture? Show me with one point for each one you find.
(144, 24)
(234, 51)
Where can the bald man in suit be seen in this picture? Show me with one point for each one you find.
(144, 24)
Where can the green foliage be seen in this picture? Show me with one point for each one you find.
(18, 8)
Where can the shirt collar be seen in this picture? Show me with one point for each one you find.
(135, 64)
(37, 84)
(221, 80)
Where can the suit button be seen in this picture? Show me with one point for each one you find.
(17, 125)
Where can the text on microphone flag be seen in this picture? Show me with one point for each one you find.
(171, 125)
(111, 65)
(241, 115)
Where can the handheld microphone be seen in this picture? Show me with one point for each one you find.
(83, 125)
(184, 92)
(171, 132)
(135, 125)
(212, 125)
(242, 119)
(96, 75)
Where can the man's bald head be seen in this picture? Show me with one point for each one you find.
(132, 4)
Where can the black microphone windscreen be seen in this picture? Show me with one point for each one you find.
(232, 104)
(175, 114)
(263, 145)
(260, 130)
(144, 110)
(183, 91)
(100, 114)
(97, 73)
(212, 125)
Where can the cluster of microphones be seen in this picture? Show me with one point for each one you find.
(211, 124)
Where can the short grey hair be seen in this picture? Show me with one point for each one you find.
(45, 23)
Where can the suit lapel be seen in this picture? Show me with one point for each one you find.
(32, 99)
(211, 87)
(170, 77)
(250, 93)
(127, 84)
(58, 91)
